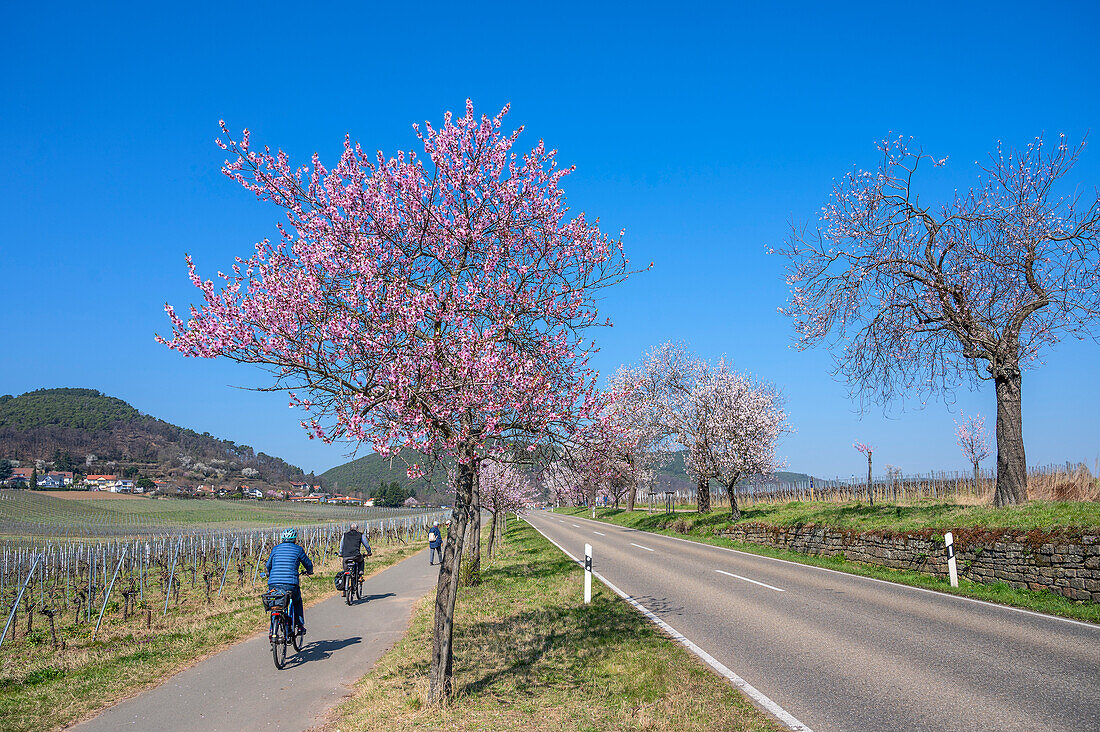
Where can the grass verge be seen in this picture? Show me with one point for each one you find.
(1082, 516)
(528, 654)
(46, 688)
(702, 528)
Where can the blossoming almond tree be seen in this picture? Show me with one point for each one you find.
(744, 421)
(434, 302)
(867, 450)
(972, 439)
(911, 295)
(504, 488)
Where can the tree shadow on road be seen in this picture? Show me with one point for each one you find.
(320, 650)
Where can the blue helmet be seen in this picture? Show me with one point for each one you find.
(290, 535)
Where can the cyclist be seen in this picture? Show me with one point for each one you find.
(282, 574)
(349, 547)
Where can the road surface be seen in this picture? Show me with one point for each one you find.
(841, 652)
(240, 688)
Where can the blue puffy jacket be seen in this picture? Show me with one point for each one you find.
(282, 563)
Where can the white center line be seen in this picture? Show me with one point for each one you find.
(762, 584)
(577, 525)
(641, 547)
(596, 532)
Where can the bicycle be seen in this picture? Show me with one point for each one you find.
(281, 631)
(351, 587)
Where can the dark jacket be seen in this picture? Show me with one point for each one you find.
(350, 543)
(282, 563)
(435, 538)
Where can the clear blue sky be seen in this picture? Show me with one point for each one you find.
(701, 129)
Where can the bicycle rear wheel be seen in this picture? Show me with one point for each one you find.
(358, 587)
(295, 638)
(278, 640)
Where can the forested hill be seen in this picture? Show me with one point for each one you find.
(95, 433)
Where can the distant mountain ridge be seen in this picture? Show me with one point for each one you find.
(97, 433)
(364, 474)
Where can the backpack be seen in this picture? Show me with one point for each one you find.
(339, 580)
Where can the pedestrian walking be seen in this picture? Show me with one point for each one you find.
(435, 543)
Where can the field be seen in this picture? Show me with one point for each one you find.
(91, 514)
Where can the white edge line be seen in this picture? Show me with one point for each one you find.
(641, 547)
(755, 582)
(749, 690)
(1045, 616)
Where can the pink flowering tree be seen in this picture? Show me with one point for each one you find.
(435, 302)
(635, 433)
(744, 421)
(669, 387)
(972, 439)
(504, 488)
(867, 450)
(915, 295)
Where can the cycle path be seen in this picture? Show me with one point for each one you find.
(240, 688)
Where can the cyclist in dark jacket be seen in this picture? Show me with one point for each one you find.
(349, 546)
(282, 574)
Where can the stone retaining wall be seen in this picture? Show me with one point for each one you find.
(1066, 564)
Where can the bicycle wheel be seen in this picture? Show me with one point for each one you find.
(295, 638)
(358, 589)
(278, 640)
(349, 588)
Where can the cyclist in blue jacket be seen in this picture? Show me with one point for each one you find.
(282, 574)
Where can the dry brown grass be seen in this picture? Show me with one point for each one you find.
(529, 655)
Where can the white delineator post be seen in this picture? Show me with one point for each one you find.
(587, 574)
(952, 569)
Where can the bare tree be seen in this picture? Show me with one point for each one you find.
(910, 295)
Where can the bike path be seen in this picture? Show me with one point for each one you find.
(240, 688)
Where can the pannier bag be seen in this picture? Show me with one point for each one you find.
(276, 599)
(339, 580)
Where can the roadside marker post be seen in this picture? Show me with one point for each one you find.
(587, 574)
(952, 569)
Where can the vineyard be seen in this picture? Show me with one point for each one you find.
(28, 514)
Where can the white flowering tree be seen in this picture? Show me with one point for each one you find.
(973, 440)
(743, 421)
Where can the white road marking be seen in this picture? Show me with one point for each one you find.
(641, 547)
(598, 533)
(749, 690)
(1045, 616)
(577, 525)
(762, 584)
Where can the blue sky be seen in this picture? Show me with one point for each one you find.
(703, 130)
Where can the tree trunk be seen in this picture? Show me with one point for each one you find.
(735, 512)
(631, 497)
(473, 538)
(977, 478)
(1011, 461)
(870, 488)
(492, 534)
(702, 495)
(446, 589)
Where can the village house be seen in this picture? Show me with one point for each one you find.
(99, 482)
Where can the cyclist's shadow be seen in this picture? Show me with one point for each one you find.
(320, 650)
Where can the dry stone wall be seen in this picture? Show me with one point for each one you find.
(1068, 564)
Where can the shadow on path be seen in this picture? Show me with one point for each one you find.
(320, 650)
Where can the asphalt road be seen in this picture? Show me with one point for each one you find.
(240, 688)
(841, 652)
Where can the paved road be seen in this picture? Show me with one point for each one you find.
(840, 652)
(240, 689)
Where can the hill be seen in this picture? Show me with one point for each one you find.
(363, 475)
(88, 431)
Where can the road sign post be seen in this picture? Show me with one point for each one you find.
(587, 574)
(952, 569)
